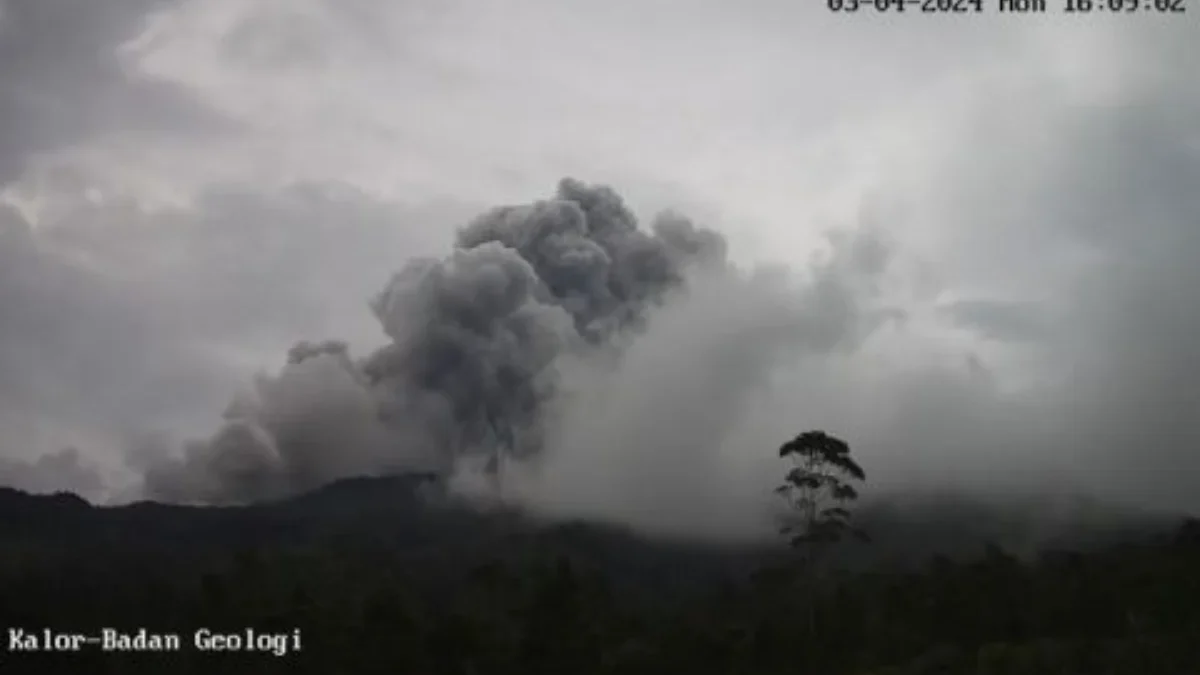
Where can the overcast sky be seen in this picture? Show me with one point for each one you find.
(193, 186)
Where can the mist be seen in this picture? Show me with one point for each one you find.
(977, 276)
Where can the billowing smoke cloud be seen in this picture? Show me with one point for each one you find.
(651, 437)
(124, 329)
(587, 250)
(476, 340)
(315, 420)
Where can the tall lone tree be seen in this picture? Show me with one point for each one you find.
(819, 489)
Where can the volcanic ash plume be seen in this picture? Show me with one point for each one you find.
(475, 341)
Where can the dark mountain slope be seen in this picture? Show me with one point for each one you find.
(410, 516)
(385, 575)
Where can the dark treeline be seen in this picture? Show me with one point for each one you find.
(513, 599)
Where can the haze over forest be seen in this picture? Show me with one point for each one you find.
(249, 248)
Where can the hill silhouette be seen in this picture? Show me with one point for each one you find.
(391, 575)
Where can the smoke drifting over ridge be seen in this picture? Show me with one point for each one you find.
(476, 342)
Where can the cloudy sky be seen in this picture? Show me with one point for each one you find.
(190, 187)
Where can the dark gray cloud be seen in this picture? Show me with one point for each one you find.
(1137, 362)
(60, 327)
(66, 470)
(62, 81)
(117, 323)
(587, 249)
(318, 419)
(1002, 320)
(475, 340)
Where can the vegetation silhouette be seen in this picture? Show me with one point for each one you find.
(819, 490)
(377, 581)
